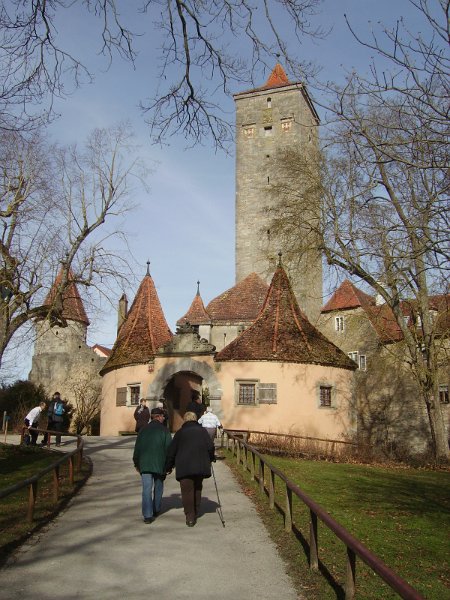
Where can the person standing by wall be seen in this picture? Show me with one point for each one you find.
(149, 458)
(191, 452)
(32, 420)
(141, 415)
(55, 422)
(210, 422)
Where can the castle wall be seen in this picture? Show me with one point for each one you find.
(268, 122)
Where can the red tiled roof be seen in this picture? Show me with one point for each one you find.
(277, 78)
(73, 307)
(282, 333)
(347, 296)
(381, 317)
(240, 303)
(144, 330)
(196, 315)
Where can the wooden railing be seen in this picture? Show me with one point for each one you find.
(251, 460)
(73, 458)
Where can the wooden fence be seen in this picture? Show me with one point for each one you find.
(258, 466)
(73, 458)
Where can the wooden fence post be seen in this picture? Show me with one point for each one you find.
(288, 511)
(238, 452)
(252, 466)
(350, 582)
(271, 489)
(261, 475)
(313, 545)
(71, 469)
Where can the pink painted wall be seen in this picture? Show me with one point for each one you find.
(297, 410)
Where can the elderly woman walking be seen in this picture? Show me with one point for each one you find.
(191, 452)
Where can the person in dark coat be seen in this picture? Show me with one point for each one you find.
(55, 416)
(196, 405)
(149, 458)
(141, 415)
(191, 452)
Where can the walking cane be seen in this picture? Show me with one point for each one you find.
(219, 508)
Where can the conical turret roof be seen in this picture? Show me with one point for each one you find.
(282, 333)
(72, 304)
(196, 315)
(144, 330)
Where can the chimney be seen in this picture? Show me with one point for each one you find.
(122, 311)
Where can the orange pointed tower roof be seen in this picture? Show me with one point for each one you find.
(144, 330)
(282, 333)
(277, 78)
(73, 307)
(196, 315)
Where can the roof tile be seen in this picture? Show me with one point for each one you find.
(144, 330)
(240, 303)
(73, 307)
(282, 333)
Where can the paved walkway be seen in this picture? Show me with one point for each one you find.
(99, 548)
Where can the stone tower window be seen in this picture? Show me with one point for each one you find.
(269, 102)
(268, 131)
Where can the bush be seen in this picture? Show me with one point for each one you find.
(18, 398)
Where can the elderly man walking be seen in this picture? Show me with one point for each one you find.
(149, 458)
(210, 422)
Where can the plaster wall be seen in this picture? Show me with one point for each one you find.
(297, 410)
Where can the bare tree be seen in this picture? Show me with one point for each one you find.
(382, 181)
(197, 57)
(55, 208)
(86, 394)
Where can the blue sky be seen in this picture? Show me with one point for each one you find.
(184, 224)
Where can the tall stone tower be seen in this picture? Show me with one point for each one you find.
(270, 120)
(61, 357)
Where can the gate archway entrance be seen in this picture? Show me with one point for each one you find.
(175, 382)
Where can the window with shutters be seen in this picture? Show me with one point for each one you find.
(133, 394)
(246, 392)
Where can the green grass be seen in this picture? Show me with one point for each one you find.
(402, 515)
(18, 463)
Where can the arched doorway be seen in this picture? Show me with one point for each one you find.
(177, 395)
(175, 381)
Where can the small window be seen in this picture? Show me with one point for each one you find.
(362, 362)
(247, 393)
(353, 356)
(134, 394)
(339, 323)
(269, 102)
(268, 131)
(267, 393)
(325, 395)
(443, 394)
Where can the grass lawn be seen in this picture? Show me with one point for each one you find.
(401, 514)
(21, 462)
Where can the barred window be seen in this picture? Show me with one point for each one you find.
(325, 395)
(247, 393)
(362, 362)
(267, 393)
